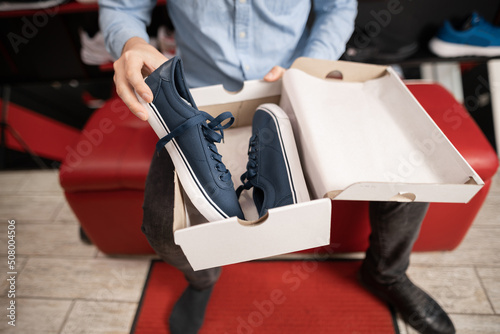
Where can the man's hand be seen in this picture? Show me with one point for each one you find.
(138, 60)
(274, 74)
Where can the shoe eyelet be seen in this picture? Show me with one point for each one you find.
(220, 177)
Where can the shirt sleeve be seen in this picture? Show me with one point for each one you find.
(120, 20)
(333, 26)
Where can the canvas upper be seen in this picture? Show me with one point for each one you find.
(193, 133)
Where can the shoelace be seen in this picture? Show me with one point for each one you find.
(252, 165)
(213, 132)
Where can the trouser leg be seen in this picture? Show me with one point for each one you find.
(395, 228)
(158, 222)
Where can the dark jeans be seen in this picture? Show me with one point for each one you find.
(157, 221)
(395, 227)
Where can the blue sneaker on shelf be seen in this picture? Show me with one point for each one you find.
(477, 37)
(273, 169)
(189, 135)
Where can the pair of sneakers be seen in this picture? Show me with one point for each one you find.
(189, 135)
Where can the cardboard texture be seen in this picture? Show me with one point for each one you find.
(282, 230)
(364, 137)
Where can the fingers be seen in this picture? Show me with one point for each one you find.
(125, 90)
(133, 74)
(274, 74)
(137, 57)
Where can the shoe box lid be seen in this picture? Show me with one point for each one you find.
(366, 137)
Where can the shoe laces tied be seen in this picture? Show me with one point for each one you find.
(213, 131)
(252, 165)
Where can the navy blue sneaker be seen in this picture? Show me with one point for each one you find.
(273, 169)
(189, 135)
(476, 37)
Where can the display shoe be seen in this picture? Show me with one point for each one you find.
(273, 169)
(416, 307)
(189, 135)
(476, 37)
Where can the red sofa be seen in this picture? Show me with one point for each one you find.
(104, 173)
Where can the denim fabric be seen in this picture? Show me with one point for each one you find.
(157, 222)
(395, 228)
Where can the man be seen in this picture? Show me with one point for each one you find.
(228, 42)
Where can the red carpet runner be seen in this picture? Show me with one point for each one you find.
(291, 297)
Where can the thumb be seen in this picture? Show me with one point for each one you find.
(274, 74)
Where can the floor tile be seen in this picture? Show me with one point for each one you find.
(490, 278)
(476, 324)
(66, 215)
(456, 289)
(12, 181)
(95, 317)
(91, 279)
(36, 316)
(108, 288)
(4, 269)
(36, 208)
(495, 183)
(49, 239)
(471, 324)
(489, 215)
(480, 247)
(43, 181)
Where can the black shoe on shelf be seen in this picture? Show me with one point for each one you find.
(384, 48)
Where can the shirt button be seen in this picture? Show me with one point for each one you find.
(243, 34)
(243, 1)
(247, 67)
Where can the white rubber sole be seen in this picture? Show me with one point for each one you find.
(450, 50)
(191, 185)
(290, 153)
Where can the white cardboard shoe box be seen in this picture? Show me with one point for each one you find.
(366, 137)
(368, 121)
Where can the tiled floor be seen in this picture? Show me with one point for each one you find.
(65, 286)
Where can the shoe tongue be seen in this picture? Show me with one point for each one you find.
(471, 21)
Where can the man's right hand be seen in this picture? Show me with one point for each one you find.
(138, 60)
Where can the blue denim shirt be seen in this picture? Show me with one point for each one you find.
(229, 41)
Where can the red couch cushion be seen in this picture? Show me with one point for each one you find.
(113, 152)
(104, 179)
